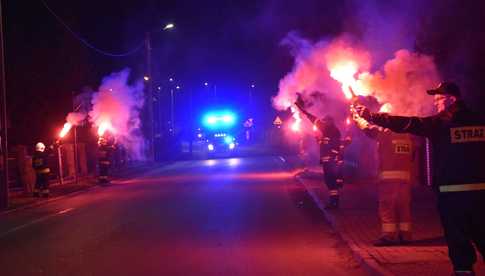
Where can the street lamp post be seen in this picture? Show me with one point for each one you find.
(172, 107)
(251, 97)
(149, 96)
(172, 101)
(206, 84)
(149, 91)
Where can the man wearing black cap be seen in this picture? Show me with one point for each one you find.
(457, 137)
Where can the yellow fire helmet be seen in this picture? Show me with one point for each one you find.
(40, 147)
(102, 141)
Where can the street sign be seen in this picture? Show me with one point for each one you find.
(277, 121)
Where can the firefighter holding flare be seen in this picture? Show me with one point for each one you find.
(329, 142)
(106, 146)
(42, 170)
(457, 137)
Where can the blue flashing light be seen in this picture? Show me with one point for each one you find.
(219, 119)
(228, 139)
(211, 120)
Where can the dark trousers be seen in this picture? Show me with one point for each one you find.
(463, 222)
(330, 175)
(103, 172)
(42, 181)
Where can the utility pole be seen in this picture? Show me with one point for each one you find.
(149, 96)
(3, 123)
(74, 109)
(172, 111)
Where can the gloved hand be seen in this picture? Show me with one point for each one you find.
(360, 111)
(361, 123)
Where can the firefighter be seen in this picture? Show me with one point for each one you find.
(457, 137)
(395, 154)
(42, 170)
(344, 143)
(329, 142)
(105, 149)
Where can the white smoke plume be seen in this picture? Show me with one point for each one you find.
(75, 118)
(118, 104)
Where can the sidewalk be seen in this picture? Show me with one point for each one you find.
(358, 224)
(19, 199)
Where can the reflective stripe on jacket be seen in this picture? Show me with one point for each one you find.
(395, 175)
(462, 187)
(44, 170)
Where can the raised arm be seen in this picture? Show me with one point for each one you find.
(301, 106)
(421, 126)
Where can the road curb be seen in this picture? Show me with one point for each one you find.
(49, 200)
(70, 194)
(362, 256)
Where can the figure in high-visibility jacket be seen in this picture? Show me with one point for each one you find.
(105, 150)
(329, 142)
(42, 170)
(395, 155)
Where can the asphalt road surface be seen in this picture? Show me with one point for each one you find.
(213, 217)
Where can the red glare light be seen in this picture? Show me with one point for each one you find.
(65, 129)
(103, 127)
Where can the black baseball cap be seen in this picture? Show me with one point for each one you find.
(446, 88)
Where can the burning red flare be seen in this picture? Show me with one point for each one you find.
(344, 72)
(386, 108)
(65, 129)
(296, 126)
(103, 127)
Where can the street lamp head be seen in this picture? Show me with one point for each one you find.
(170, 79)
(177, 87)
(169, 26)
(252, 85)
(206, 83)
(146, 78)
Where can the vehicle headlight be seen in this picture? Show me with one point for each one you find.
(210, 147)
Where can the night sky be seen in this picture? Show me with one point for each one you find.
(231, 44)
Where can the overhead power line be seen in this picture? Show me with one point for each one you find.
(86, 43)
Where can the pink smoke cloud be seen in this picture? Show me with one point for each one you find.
(118, 104)
(400, 82)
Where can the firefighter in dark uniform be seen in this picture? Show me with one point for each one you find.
(344, 143)
(329, 142)
(105, 150)
(42, 170)
(457, 137)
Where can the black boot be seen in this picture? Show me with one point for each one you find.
(333, 203)
(463, 273)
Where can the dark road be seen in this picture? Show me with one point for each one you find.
(213, 217)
